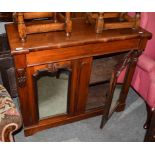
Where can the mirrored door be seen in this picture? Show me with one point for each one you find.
(52, 89)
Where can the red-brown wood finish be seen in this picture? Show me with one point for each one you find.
(51, 49)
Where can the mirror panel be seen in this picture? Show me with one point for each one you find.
(52, 92)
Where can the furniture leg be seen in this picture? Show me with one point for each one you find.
(150, 134)
(137, 19)
(55, 17)
(100, 23)
(68, 24)
(149, 115)
(21, 27)
(121, 16)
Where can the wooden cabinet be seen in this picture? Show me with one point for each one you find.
(77, 72)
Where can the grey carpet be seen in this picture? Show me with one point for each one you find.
(125, 126)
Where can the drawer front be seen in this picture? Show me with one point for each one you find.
(76, 52)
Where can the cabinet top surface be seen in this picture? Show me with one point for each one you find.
(82, 34)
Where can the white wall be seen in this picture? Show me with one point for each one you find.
(2, 27)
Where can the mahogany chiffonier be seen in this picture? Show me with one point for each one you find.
(65, 79)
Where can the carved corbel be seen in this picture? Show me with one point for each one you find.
(21, 77)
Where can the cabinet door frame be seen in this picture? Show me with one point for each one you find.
(128, 65)
(85, 65)
(35, 72)
(54, 73)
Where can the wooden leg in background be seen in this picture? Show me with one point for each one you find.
(149, 115)
(100, 23)
(137, 19)
(121, 16)
(21, 26)
(150, 134)
(68, 24)
(55, 17)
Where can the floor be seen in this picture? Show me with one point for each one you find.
(125, 126)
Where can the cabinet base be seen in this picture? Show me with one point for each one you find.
(51, 122)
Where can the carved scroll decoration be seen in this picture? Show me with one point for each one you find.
(53, 68)
(131, 56)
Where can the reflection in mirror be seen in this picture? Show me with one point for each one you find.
(53, 94)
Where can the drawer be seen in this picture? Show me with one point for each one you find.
(76, 52)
